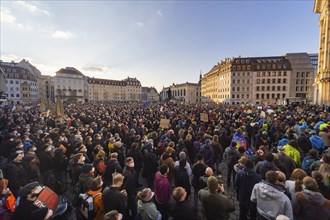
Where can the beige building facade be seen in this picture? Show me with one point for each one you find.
(188, 93)
(69, 85)
(254, 80)
(101, 90)
(322, 81)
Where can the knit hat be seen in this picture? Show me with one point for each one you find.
(163, 169)
(169, 150)
(212, 183)
(87, 168)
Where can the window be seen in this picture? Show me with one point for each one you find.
(233, 81)
(257, 96)
(262, 96)
(297, 88)
(268, 81)
(297, 81)
(284, 88)
(273, 81)
(284, 80)
(284, 74)
(17, 95)
(302, 81)
(267, 96)
(237, 89)
(262, 88)
(283, 95)
(237, 96)
(233, 96)
(238, 81)
(297, 75)
(278, 88)
(11, 82)
(263, 81)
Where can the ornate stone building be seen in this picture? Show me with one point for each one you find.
(322, 81)
(149, 94)
(188, 93)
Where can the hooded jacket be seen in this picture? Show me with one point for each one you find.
(271, 201)
(162, 188)
(311, 205)
(317, 142)
(148, 210)
(263, 167)
(293, 153)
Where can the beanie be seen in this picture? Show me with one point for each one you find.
(87, 168)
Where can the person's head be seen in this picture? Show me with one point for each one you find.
(163, 169)
(298, 175)
(317, 176)
(269, 157)
(271, 177)
(241, 150)
(242, 160)
(130, 162)
(208, 171)
(313, 153)
(294, 143)
(281, 177)
(233, 144)
(179, 194)
(249, 164)
(117, 180)
(215, 138)
(212, 183)
(199, 157)
(182, 163)
(145, 194)
(182, 155)
(113, 215)
(96, 184)
(88, 169)
(310, 184)
(114, 156)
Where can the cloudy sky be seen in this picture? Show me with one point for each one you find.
(158, 42)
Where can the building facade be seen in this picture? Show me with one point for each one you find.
(128, 89)
(49, 87)
(322, 81)
(149, 94)
(248, 80)
(21, 84)
(188, 93)
(69, 85)
(302, 76)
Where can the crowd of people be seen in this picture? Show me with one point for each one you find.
(120, 161)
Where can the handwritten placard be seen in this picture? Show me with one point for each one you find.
(164, 123)
(204, 117)
(47, 198)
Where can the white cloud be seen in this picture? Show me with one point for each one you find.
(140, 23)
(31, 7)
(6, 16)
(62, 35)
(159, 13)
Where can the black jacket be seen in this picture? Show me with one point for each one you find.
(129, 181)
(181, 178)
(16, 176)
(113, 199)
(184, 211)
(45, 161)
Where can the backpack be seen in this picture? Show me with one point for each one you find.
(87, 205)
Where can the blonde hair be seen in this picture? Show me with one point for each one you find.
(325, 171)
(281, 176)
(298, 175)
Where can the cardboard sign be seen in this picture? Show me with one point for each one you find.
(47, 198)
(262, 114)
(249, 111)
(164, 123)
(204, 117)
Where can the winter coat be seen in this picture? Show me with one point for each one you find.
(244, 183)
(148, 210)
(271, 201)
(216, 206)
(289, 164)
(310, 205)
(129, 181)
(76, 171)
(181, 178)
(317, 142)
(208, 154)
(112, 167)
(61, 164)
(167, 159)
(150, 164)
(198, 171)
(98, 203)
(162, 188)
(184, 211)
(263, 167)
(293, 153)
(231, 156)
(45, 162)
(304, 143)
(113, 199)
(16, 176)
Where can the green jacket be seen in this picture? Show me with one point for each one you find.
(293, 153)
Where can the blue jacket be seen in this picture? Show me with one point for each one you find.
(317, 142)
